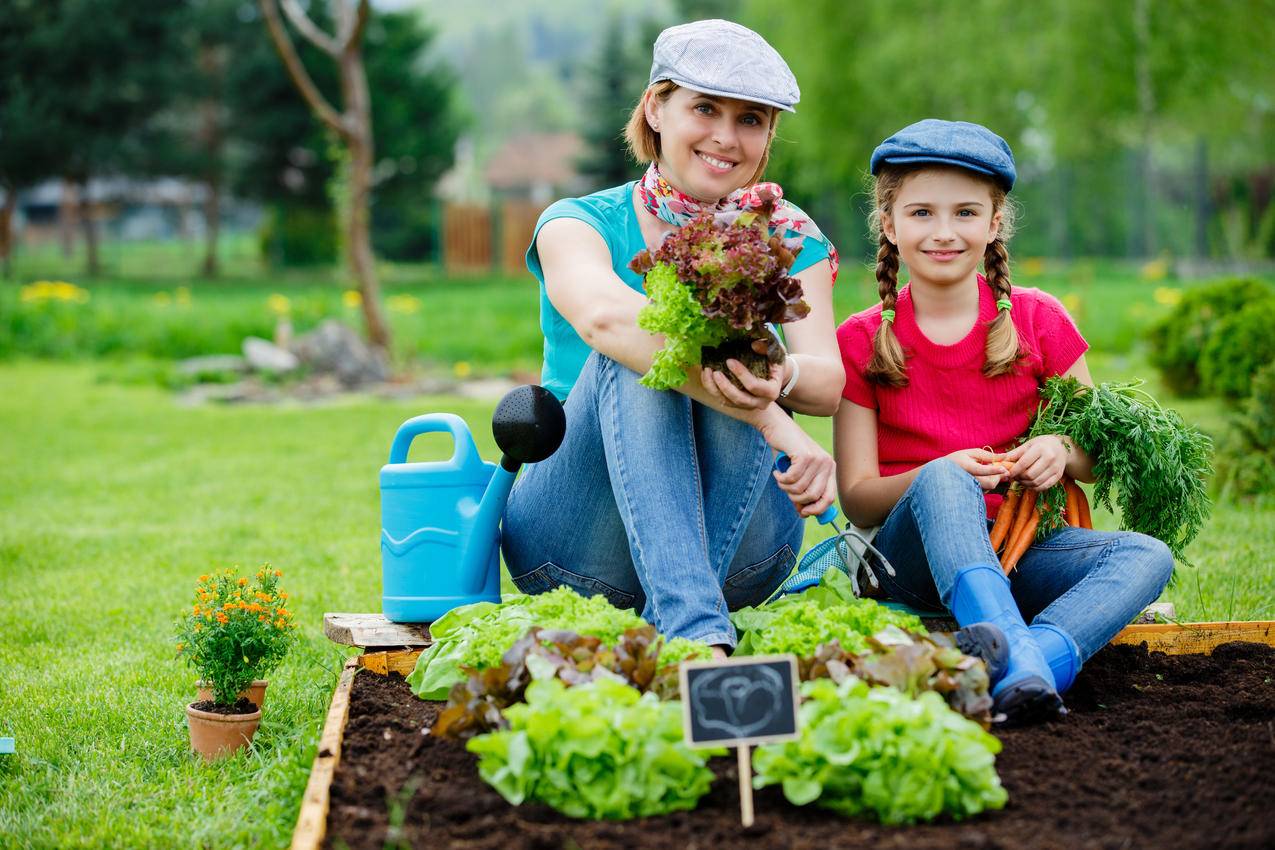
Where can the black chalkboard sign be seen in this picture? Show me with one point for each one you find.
(740, 701)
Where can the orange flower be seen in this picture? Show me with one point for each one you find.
(263, 618)
(204, 577)
(283, 595)
(222, 618)
(180, 647)
(280, 624)
(278, 573)
(195, 611)
(227, 606)
(242, 582)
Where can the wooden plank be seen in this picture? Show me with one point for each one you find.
(374, 630)
(401, 661)
(312, 822)
(1185, 638)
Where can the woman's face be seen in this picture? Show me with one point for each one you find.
(942, 222)
(709, 146)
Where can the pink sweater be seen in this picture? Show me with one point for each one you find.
(948, 404)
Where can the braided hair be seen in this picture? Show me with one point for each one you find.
(888, 366)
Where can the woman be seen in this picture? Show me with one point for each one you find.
(667, 501)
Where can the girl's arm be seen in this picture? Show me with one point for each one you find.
(1040, 463)
(584, 288)
(866, 497)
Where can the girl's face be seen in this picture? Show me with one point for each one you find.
(942, 221)
(709, 146)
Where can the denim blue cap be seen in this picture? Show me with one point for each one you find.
(958, 143)
(725, 59)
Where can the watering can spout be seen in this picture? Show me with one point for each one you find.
(484, 539)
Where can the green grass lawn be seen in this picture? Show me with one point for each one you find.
(114, 499)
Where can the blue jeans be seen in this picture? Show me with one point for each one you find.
(658, 503)
(1088, 583)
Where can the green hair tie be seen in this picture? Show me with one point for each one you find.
(1004, 304)
(887, 316)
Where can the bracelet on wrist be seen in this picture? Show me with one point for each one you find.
(792, 382)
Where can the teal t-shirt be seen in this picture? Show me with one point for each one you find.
(609, 212)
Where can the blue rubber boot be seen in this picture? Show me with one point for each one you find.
(1060, 651)
(1026, 692)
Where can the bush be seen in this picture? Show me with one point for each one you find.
(236, 631)
(1237, 347)
(1178, 341)
(1246, 454)
(299, 236)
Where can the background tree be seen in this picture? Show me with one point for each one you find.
(353, 126)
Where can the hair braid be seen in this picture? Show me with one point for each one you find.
(888, 359)
(1003, 347)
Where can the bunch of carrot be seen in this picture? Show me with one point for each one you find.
(1019, 518)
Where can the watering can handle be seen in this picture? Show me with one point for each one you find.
(782, 463)
(465, 453)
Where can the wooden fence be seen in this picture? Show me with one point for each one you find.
(480, 239)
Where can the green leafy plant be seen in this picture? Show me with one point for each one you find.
(715, 284)
(1239, 345)
(237, 630)
(1179, 339)
(599, 750)
(829, 611)
(640, 658)
(912, 664)
(1157, 464)
(882, 753)
(476, 636)
(1246, 453)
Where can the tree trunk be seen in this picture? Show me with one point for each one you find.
(1144, 219)
(93, 266)
(67, 206)
(359, 142)
(212, 224)
(1201, 193)
(6, 228)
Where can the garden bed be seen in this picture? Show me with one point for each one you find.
(1158, 750)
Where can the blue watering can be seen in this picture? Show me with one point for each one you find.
(440, 520)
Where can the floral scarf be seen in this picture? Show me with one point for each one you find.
(668, 204)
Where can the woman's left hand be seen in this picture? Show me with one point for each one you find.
(1040, 462)
(757, 392)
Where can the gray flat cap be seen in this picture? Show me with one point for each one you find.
(726, 59)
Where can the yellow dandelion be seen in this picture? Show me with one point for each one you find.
(1167, 295)
(162, 299)
(1072, 302)
(279, 304)
(1032, 267)
(182, 296)
(404, 304)
(352, 299)
(462, 369)
(1155, 270)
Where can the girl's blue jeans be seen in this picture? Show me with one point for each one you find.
(1088, 583)
(658, 503)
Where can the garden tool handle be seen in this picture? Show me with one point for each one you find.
(782, 463)
(465, 452)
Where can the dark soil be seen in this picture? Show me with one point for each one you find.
(243, 705)
(1157, 751)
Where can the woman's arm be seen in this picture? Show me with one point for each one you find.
(584, 288)
(866, 497)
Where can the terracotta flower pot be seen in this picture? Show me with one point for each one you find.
(216, 736)
(256, 692)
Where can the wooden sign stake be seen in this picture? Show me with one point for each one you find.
(745, 785)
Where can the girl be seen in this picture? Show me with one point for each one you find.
(942, 378)
(667, 501)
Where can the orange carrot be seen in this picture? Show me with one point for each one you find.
(1072, 511)
(1020, 541)
(1004, 517)
(1086, 519)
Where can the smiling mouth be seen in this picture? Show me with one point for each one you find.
(943, 255)
(715, 163)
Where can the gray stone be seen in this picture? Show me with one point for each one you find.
(264, 356)
(211, 364)
(334, 348)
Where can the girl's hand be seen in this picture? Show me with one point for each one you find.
(1040, 462)
(757, 393)
(811, 481)
(982, 464)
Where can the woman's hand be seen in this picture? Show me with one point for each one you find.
(982, 464)
(757, 394)
(1040, 462)
(810, 480)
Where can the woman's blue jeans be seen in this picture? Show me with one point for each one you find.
(1088, 583)
(658, 503)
